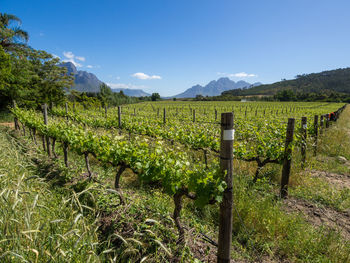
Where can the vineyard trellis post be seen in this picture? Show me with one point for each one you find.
(194, 115)
(106, 111)
(48, 148)
(120, 117)
(303, 140)
(315, 134)
(287, 159)
(226, 206)
(164, 116)
(327, 121)
(321, 123)
(67, 111)
(15, 118)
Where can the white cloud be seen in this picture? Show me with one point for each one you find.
(237, 75)
(117, 77)
(125, 86)
(140, 75)
(80, 58)
(70, 57)
(55, 56)
(68, 54)
(41, 34)
(89, 66)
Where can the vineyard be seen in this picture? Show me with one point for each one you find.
(177, 148)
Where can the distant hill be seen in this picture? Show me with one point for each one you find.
(133, 92)
(214, 88)
(83, 80)
(337, 80)
(88, 82)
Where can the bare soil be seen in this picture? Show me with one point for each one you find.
(320, 216)
(8, 124)
(338, 180)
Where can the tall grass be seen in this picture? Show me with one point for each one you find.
(39, 223)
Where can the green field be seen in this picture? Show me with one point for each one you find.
(116, 199)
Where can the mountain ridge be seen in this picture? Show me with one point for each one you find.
(214, 88)
(88, 82)
(337, 80)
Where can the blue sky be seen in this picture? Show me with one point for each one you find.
(167, 46)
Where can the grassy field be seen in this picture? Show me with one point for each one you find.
(50, 212)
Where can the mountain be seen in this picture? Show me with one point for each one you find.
(83, 80)
(133, 92)
(88, 82)
(324, 82)
(214, 88)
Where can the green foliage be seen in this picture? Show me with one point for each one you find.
(105, 95)
(5, 72)
(11, 38)
(157, 164)
(332, 85)
(285, 95)
(29, 76)
(39, 223)
(155, 96)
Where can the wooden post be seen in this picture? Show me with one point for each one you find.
(48, 148)
(15, 118)
(321, 123)
(205, 158)
(119, 117)
(65, 153)
(158, 112)
(287, 161)
(67, 110)
(327, 120)
(194, 115)
(34, 136)
(303, 140)
(106, 111)
(134, 112)
(315, 133)
(86, 155)
(164, 116)
(43, 139)
(216, 114)
(226, 206)
(73, 106)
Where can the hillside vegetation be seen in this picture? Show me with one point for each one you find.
(327, 83)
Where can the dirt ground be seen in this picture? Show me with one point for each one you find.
(8, 124)
(320, 216)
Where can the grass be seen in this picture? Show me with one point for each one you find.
(51, 212)
(333, 142)
(6, 116)
(39, 223)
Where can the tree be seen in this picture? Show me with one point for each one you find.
(5, 74)
(11, 38)
(155, 96)
(105, 95)
(285, 95)
(199, 97)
